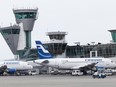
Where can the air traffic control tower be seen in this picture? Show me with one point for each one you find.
(113, 34)
(18, 37)
(25, 18)
(57, 45)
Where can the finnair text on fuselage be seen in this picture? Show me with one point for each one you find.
(94, 60)
(11, 62)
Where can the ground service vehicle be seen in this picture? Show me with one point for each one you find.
(99, 75)
(77, 73)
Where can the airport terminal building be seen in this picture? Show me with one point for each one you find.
(18, 38)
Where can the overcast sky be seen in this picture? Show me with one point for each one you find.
(84, 20)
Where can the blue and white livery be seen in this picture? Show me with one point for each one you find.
(14, 67)
(82, 64)
(42, 52)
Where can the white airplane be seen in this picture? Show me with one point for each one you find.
(82, 64)
(14, 67)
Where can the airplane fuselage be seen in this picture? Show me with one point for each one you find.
(76, 63)
(70, 63)
(18, 65)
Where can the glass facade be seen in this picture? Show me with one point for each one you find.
(74, 51)
(23, 15)
(78, 51)
(28, 54)
(103, 50)
(57, 37)
(56, 48)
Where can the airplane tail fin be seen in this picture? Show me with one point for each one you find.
(43, 53)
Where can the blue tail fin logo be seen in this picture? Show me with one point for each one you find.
(42, 52)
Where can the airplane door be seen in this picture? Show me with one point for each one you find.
(56, 64)
(63, 63)
(107, 64)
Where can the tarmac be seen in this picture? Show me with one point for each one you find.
(56, 81)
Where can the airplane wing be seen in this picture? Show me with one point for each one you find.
(44, 62)
(85, 66)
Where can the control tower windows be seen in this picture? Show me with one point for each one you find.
(57, 37)
(114, 36)
(23, 15)
(15, 31)
(11, 31)
(57, 48)
(6, 31)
